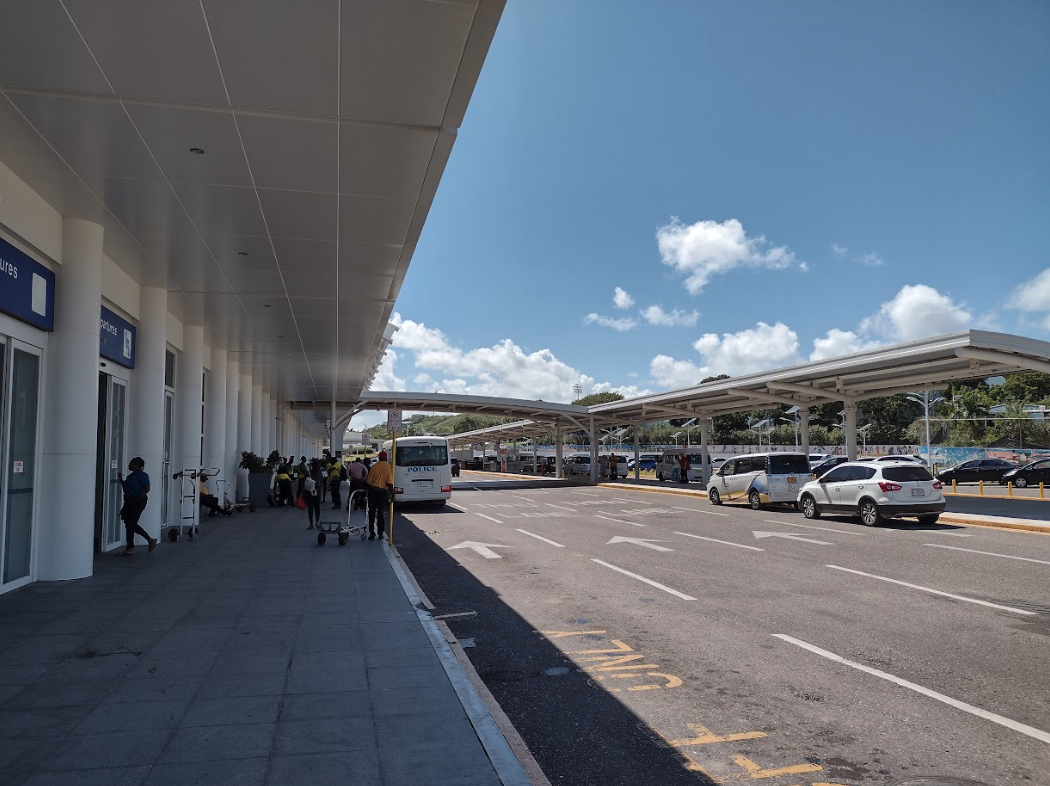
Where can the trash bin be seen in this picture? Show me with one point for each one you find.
(259, 484)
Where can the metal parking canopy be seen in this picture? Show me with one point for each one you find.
(917, 365)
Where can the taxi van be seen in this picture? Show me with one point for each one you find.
(760, 479)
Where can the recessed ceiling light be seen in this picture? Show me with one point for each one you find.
(198, 151)
(266, 305)
(242, 253)
(280, 337)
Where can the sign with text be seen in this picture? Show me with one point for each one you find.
(27, 288)
(393, 420)
(116, 339)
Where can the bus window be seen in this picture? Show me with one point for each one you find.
(421, 455)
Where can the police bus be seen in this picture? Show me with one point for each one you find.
(422, 469)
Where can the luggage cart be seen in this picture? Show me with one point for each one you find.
(356, 522)
(187, 504)
(225, 493)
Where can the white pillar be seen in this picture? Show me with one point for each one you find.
(215, 428)
(637, 451)
(257, 420)
(594, 452)
(557, 450)
(803, 415)
(67, 520)
(147, 398)
(850, 416)
(232, 457)
(190, 393)
(705, 451)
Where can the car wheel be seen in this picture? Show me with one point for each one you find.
(660, 476)
(1020, 483)
(809, 507)
(754, 500)
(715, 497)
(929, 519)
(869, 513)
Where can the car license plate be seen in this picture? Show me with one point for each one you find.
(792, 480)
(422, 483)
(918, 492)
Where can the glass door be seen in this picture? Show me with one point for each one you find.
(20, 424)
(114, 462)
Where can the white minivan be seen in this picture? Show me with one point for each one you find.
(760, 478)
(667, 466)
(422, 469)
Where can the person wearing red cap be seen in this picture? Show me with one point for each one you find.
(380, 487)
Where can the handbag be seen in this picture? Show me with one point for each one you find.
(300, 503)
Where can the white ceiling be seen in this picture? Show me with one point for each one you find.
(325, 125)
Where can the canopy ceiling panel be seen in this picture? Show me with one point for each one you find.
(264, 153)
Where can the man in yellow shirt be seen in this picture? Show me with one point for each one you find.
(335, 479)
(380, 487)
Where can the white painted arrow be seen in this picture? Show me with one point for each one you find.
(789, 536)
(481, 548)
(649, 544)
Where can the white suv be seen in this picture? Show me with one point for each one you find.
(874, 490)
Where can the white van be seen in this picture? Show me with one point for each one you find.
(422, 469)
(667, 466)
(760, 478)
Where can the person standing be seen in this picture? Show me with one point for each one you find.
(614, 462)
(380, 487)
(358, 472)
(335, 480)
(683, 468)
(603, 467)
(136, 493)
(312, 497)
(303, 473)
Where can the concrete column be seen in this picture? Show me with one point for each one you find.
(257, 419)
(803, 427)
(594, 452)
(271, 411)
(850, 417)
(215, 427)
(637, 451)
(705, 453)
(266, 422)
(244, 413)
(189, 396)
(232, 456)
(147, 398)
(557, 450)
(67, 520)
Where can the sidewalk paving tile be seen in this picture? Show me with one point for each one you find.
(248, 656)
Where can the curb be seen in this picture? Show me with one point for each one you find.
(501, 744)
(952, 518)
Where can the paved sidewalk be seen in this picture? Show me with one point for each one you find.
(251, 656)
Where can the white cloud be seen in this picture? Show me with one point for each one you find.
(708, 248)
(871, 259)
(670, 373)
(917, 311)
(868, 258)
(621, 324)
(840, 251)
(1033, 297)
(655, 315)
(838, 342)
(621, 299)
(627, 391)
(385, 378)
(756, 349)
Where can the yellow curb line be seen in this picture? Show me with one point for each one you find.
(952, 519)
(997, 496)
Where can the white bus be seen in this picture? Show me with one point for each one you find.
(422, 469)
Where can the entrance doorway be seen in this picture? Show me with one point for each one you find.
(110, 461)
(19, 408)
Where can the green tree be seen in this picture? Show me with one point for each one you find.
(1027, 387)
(598, 398)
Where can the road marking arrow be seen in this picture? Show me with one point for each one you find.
(481, 548)
(649, 544)
(790, 536)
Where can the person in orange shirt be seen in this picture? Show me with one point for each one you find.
(380, 487)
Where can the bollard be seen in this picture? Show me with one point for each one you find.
(955, 489)
(1041, 491)
(1009, 489)
(980, 487)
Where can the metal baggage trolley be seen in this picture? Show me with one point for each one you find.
(356, 522)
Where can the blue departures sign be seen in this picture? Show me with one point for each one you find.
(116, 339)
(27, 288)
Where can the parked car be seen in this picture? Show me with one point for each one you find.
(817, 458)
(1029, 475)
(759, 478)
(874, 490)
(990, 470)
(667, 467)
(827, 464)
(901, 457)
(645, 461)
(577, 465)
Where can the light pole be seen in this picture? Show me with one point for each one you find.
(863, 431)
(675, 437)
(927, 406)
(756, 428)
(577, 390)
(689, 425)
(793, 411)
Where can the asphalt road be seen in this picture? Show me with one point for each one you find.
(712, 649)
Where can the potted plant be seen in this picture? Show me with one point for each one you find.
(260, 477)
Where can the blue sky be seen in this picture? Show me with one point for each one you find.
(764, 182)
